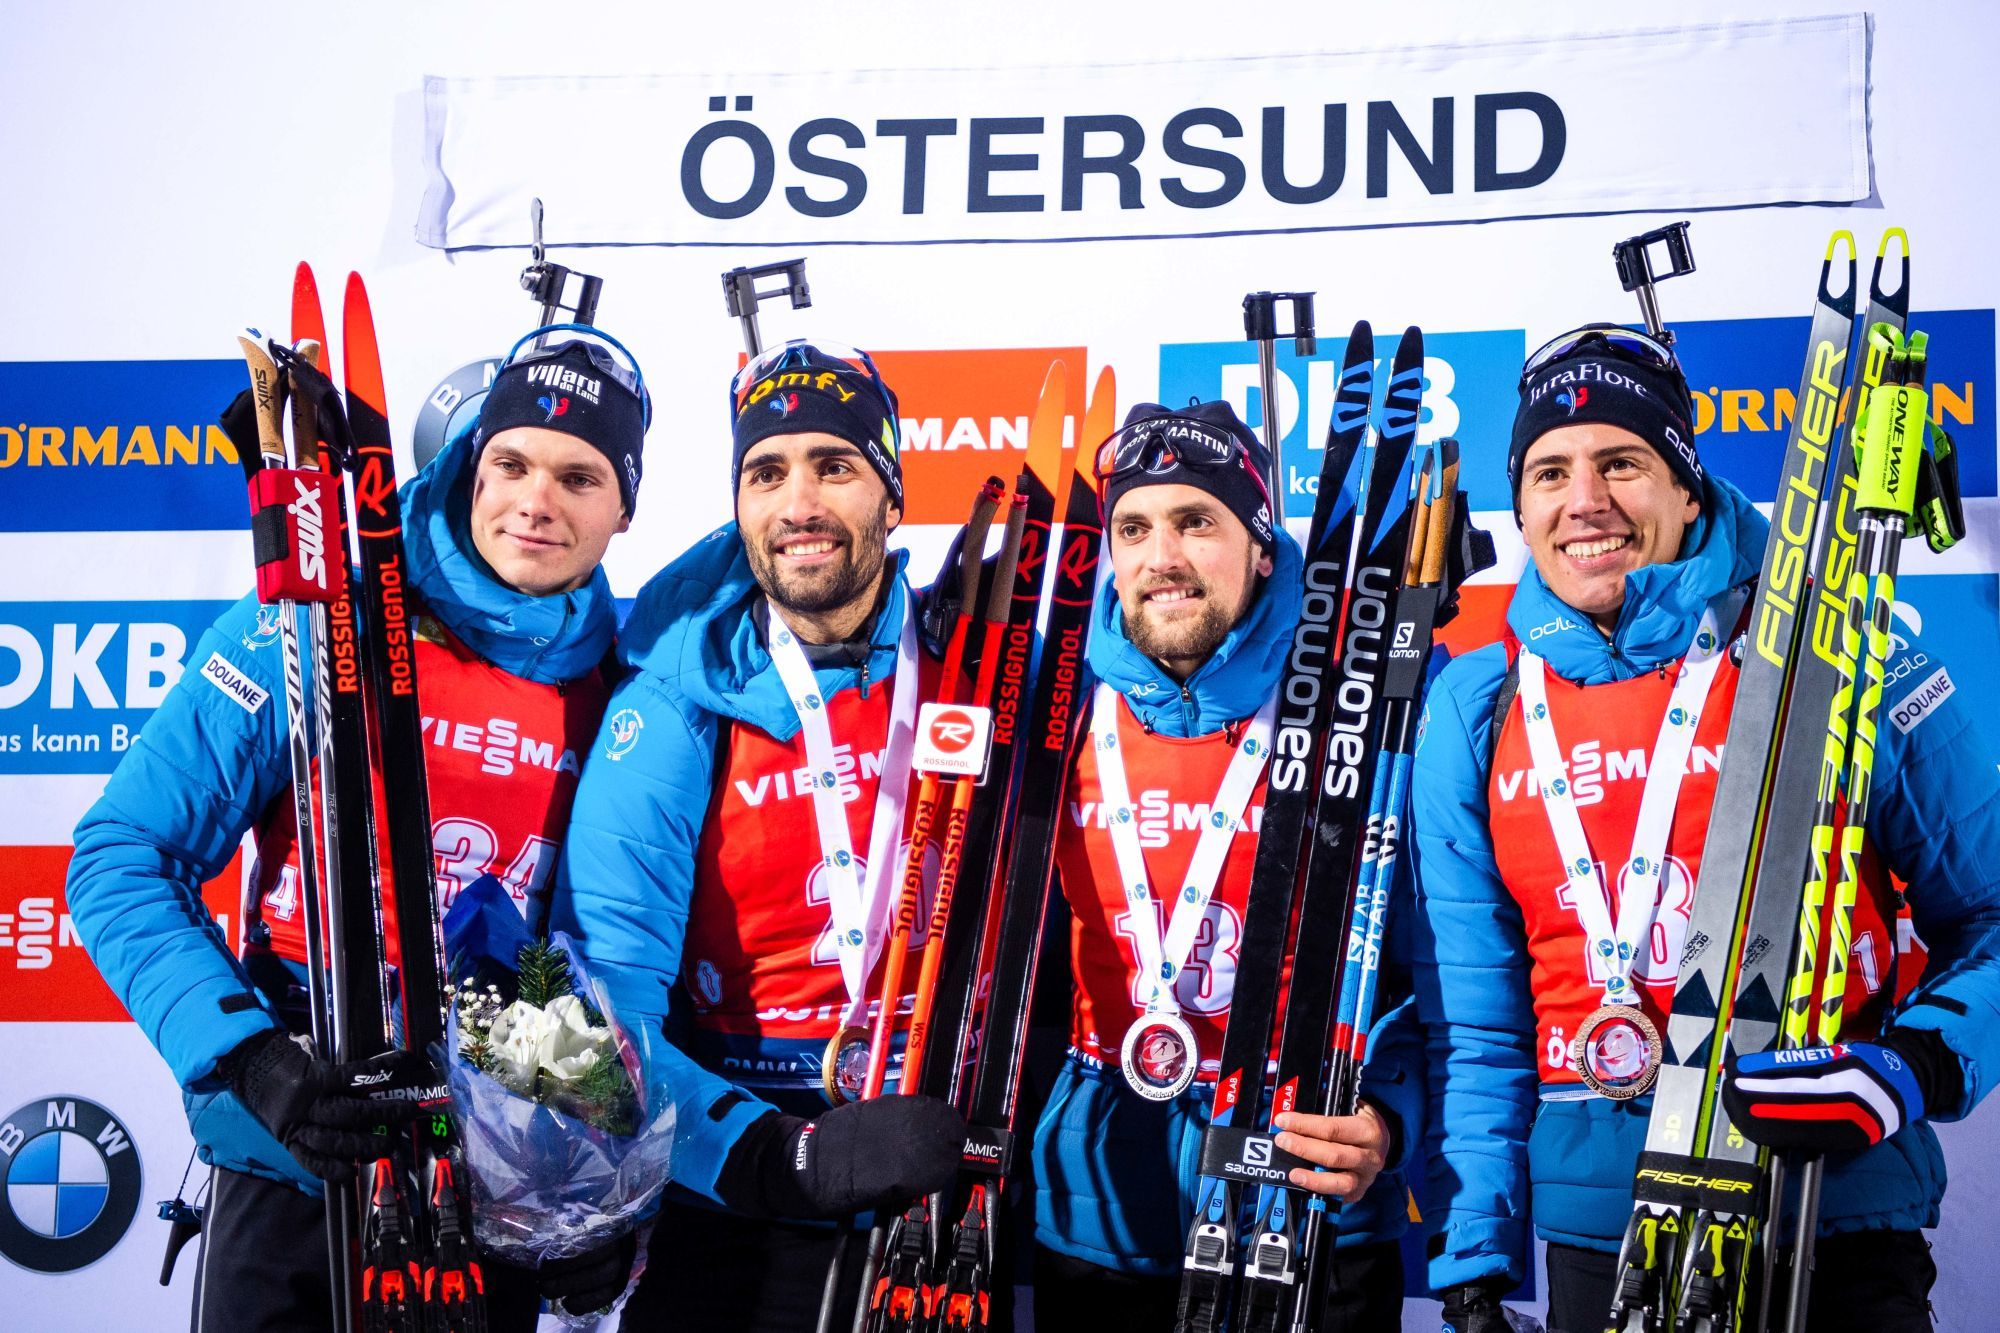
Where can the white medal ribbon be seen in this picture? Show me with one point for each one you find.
(859, 911)
(1161, 960)
(1617, 947)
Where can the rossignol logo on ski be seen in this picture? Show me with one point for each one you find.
(69, 1184)
(240, 690)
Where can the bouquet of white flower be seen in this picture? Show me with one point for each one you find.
(564, 1150)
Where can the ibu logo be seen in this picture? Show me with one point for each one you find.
(69, 1184)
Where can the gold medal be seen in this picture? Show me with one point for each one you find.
(844, 1069)
(1617, 1051)
(1157, 1056)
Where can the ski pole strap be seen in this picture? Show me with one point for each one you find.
(289, 513)
(1162, 958)
(858, 909)
(1614, 948)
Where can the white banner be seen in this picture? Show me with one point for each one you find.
(1702, 116)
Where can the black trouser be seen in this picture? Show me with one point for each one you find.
(263, 1265)
(1365, 1294)
(721, 1273)
(1865, 1281)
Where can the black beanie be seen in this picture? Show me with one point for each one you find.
(1595, 384)
(807, 390)
(577, 388)
(1239, 491)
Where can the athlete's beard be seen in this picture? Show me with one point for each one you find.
(1184, 645)
(819, 592)
(1189, 639)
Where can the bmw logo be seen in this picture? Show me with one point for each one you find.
(72, 1177)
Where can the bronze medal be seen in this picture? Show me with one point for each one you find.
(1617, 1051)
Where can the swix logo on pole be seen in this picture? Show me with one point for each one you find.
(305, 512)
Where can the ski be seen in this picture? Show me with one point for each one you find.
(1698, 1185)
(1272, 1267)
(1210, 1258)
(288, 542)
(452, 1288)
(963, 1295)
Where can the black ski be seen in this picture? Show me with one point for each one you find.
(963, 1296)
(1273, 1266)
(1210, 1258)
(451, 1293)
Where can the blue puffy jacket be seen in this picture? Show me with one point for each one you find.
(1935, 819)
(626, 879)
(1115, 1172)
(208, 765)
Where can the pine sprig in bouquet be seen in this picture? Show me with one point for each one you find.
(550, 1043)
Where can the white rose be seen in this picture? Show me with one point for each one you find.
(569, 1046)
(516, 1041)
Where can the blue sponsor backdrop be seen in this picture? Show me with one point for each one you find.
(1468, 393)
(118, 445)
(1744, 373)
(77, 679)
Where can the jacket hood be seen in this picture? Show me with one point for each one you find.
(1236, 679)
(545, 639)
(1663, 603)
(691, 629)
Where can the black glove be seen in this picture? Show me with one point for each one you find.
(1474, 1307)
(880, 1153)
(328, 1116)
(591, 1280)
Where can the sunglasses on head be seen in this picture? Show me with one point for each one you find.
(1189, 441)
(1615, 339)
(624, 373)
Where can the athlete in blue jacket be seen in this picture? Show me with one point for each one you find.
(1190, 640)
(697, 875)
(503, 533)
(1630, 543)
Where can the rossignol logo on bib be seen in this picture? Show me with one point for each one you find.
(500, 745)
(242, 691)
(1921, 702)
(1591, 766)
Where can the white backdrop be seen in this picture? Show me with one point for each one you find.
(166, 165)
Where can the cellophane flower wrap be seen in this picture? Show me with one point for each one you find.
(564, 1147)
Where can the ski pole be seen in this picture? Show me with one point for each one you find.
(1260, 325)
(910, 901)
(1889, 461)
(288, 538)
